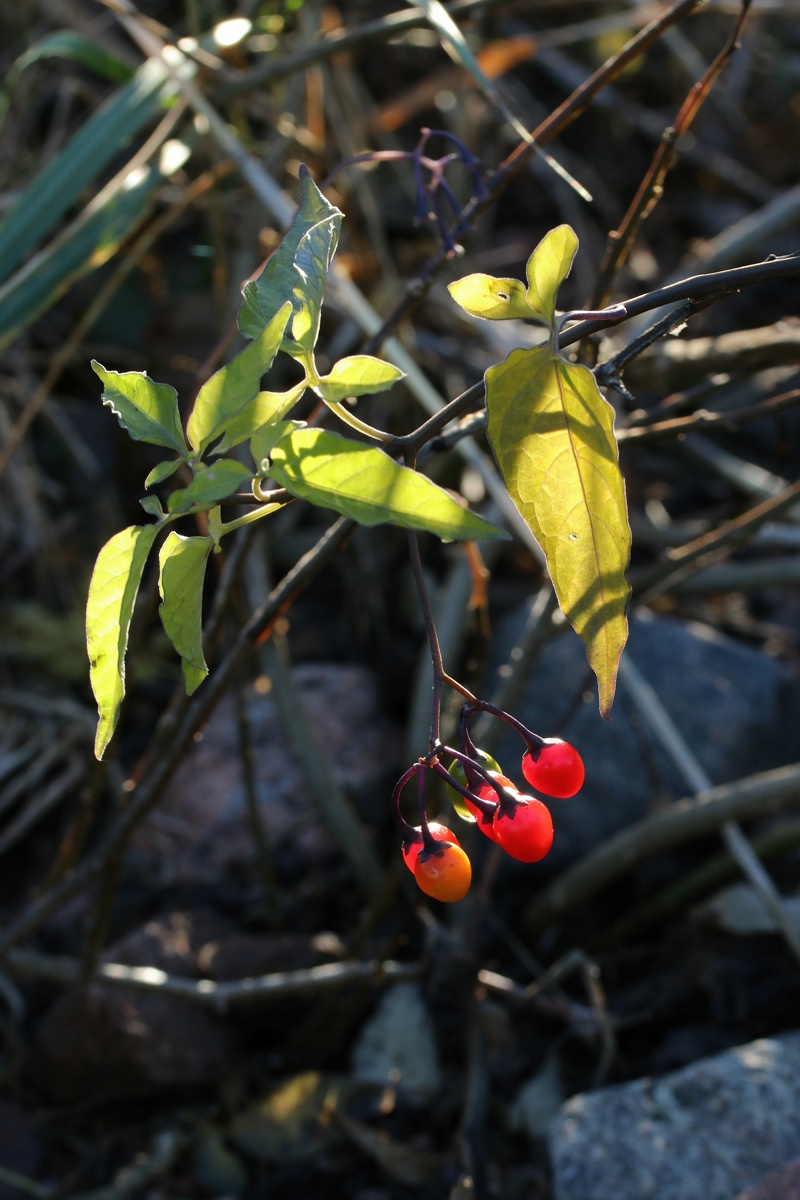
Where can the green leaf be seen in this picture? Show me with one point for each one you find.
(85, 244)
(112, 595)
(265, 409)
(362, 482)
(312, 260)
(182, 568)
(152, 506)
(66, 43)
(547, 268)
(223, 397)
(277, 282)
(85, 156)
(262, 445)
(147, 410)
(162, 471)
(552, 434)
(210, 485)
(490, 298)
(359, 375)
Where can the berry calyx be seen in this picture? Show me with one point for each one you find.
(444, 873)
(557, 770)
(524, 830)
(412, 849)
(485, 791)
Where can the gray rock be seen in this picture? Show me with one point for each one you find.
(202, 830)
(738, 708)
(706, 1132)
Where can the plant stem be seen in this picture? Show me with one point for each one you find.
(433, 637)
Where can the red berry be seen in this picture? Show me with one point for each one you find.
(444, 873)
(411, 850)
(558, 771)
(525, 831)
(485, 791)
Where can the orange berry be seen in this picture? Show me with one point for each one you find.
(444, 873)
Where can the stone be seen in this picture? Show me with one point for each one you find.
(707, 1132)
(781, 1184)
(738, 709)
(21, 1149)
(109, 1043)
(202, 829)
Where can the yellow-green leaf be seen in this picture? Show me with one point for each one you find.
(363, 483)
(552, 434)
(490, 298)
(360, 375)
(547, 268)
(265, 409)
(112, 594)
(223, 397)
(182, 562)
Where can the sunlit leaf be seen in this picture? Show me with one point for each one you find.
(547, 268)
(265, 409)
(360, 375)
(112, 595)
(182, 568)
(147, 410)
(362, 482)
(210, 485)
(263, 443)
(312, 260)
(162, 471)
(223, 397)
(278, 281)
(552, 435)
(490, 298)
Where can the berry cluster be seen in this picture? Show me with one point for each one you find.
(519, 823)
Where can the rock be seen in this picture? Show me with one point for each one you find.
(109, 1043)
(397, 1046)
(21, 1149)
(783, 1184)
(706, 1132)
(738, 708)
(202, 829)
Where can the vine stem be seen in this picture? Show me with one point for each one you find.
(433, 637)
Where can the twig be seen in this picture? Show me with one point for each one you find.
(712, 874)
(651, 188)
(255, 989)
(496, 184)
(693, 817)
(145, 1168)
(679, 561)
(695, 775)
(703, 419)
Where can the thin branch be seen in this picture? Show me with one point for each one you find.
(652, 186)
(693, 817)
(254, 989)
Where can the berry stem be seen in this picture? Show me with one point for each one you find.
(428, 840)
(486, 806)
(533, 741)
(433, 637)
(407, 832)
